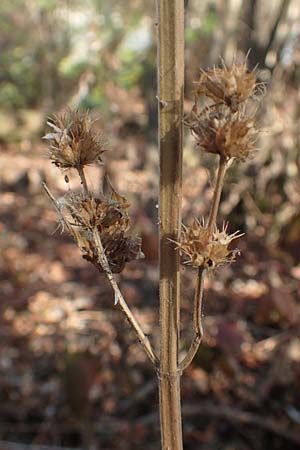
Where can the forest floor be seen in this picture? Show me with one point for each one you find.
(71, 372)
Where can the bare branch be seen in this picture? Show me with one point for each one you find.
(197, 321)
(83, 180)
(223, 164)
(57, 207)
(120, 301)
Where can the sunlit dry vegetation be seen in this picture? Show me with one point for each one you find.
(72, 374)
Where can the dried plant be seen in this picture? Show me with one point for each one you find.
(98, 224)
(220, 131)
(230, 85)
(109, 216)
(222, 124)
(201, 248)
(226, 127)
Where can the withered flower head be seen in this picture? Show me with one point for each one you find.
(219, 130)
(109, 216)
(73, 142)
(230, 85)
(201, 249)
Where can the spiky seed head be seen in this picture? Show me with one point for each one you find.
(119, 249)
(109, 216)
(230, 85)
(200, 248)
(220, 131)
(90, 212)
(73, 141)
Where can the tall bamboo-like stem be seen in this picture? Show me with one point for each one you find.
(170, 96)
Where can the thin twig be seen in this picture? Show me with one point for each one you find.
(197, 321)
(58, 209)
(217, 194)
(197, 315)
(83, 180)
(120, 301)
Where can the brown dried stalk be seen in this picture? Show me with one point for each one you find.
(223, 164)
(225, 129)
(197, 321)
(119, 299)
(170, 95)
(83, 180)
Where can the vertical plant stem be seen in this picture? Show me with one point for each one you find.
(197, 321)
(170, 96)
(217, 194)
(83, 180)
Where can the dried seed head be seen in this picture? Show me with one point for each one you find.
(219, 130)
(109, 216)
(89, 213)
(119, 249)
(200, 249)
(73, 142)
(230, 85)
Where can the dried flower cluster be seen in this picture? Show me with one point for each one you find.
(73, 142)
(220, 131)
(226, 127)
(110, 218)
(200, 248)
(232, 85)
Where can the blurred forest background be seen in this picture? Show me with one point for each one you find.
(71, 373)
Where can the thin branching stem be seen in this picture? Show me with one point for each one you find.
(83, 180)
(197, 321)
(57, 207)
(223, 165)
(120, 301)
(198, 299)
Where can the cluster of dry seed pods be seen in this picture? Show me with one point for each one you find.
(223, 122)
(73, 145)
(99, 223)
